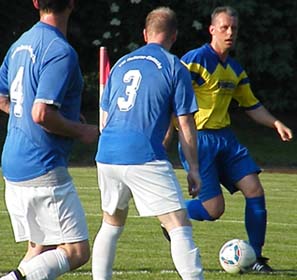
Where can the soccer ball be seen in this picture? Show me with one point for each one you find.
(236, 255)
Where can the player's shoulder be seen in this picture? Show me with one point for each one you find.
(63, 45)
(197, 55)
(51, 39)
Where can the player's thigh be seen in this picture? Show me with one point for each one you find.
(250, 186)
(208, 149)
(17, 212)
(235, 164)
(155, 188)
(67, 220)
(115, 194)
(59, 206)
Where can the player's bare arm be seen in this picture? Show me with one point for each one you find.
(169, 135)
(52, 121)
(187, 138)
(262, 116)
(4, 104)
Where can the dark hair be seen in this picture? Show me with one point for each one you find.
(55, 6)
(161, 19)
(224, 9)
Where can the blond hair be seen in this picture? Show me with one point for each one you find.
(161, 20)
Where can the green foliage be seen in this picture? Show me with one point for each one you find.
(90, 102)
(266, 45)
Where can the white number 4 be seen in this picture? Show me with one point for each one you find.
(16, 93)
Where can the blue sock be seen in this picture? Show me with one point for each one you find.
(196, 211)
(255, 222)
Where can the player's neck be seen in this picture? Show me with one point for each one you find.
(160, 38)
(222, 53)
(59, 21)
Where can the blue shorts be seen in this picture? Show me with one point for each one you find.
(222, 160)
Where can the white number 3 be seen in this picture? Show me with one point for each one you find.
(131, 90)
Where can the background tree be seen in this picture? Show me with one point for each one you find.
(266, 44)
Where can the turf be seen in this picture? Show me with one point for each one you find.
(143, 253)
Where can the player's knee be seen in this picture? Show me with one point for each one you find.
(253, 191)
(216, 213)
(78, 254)
(250, 186)
(215, 207)
(83, 257)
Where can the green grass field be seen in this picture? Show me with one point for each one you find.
(143, 253)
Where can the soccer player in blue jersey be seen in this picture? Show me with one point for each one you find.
(143, 90)
(40, 87)
(217, 79)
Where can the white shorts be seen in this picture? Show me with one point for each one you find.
(49, 215)
(154, 187)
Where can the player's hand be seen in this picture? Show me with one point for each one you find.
(194, 183)
(285, 133)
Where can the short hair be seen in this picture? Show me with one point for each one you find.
(161, 19)
(55, 6)
(223, 9)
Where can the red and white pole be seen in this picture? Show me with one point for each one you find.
(104, 68)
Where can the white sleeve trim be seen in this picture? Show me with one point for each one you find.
(46, 101)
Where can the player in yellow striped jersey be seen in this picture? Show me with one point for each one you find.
(217, 79)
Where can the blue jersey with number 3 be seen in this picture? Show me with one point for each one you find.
(143, 90)
(40, 66)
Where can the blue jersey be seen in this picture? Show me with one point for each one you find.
(143, 90)
(40, 66)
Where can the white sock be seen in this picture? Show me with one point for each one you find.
(185, 254)
(9, 276)
(22, 263)
(12, 275)
(46, 266)
(104, 250)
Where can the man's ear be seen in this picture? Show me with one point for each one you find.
(36, 4)
(145, 35)
(211, 29)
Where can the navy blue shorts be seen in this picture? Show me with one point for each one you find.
(222, 160)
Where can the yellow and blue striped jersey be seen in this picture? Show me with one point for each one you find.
(215, 84)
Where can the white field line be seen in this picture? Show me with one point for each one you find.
(217, 221)
(139, 272)
(119, 272)
(127, 272)
(167, 271)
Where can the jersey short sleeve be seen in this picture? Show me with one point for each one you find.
(243, 93)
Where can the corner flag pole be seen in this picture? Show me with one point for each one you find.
(104, 68)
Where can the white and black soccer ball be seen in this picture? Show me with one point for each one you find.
(236, 255)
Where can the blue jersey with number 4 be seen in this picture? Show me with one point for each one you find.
(40, 66)
(143, 90)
